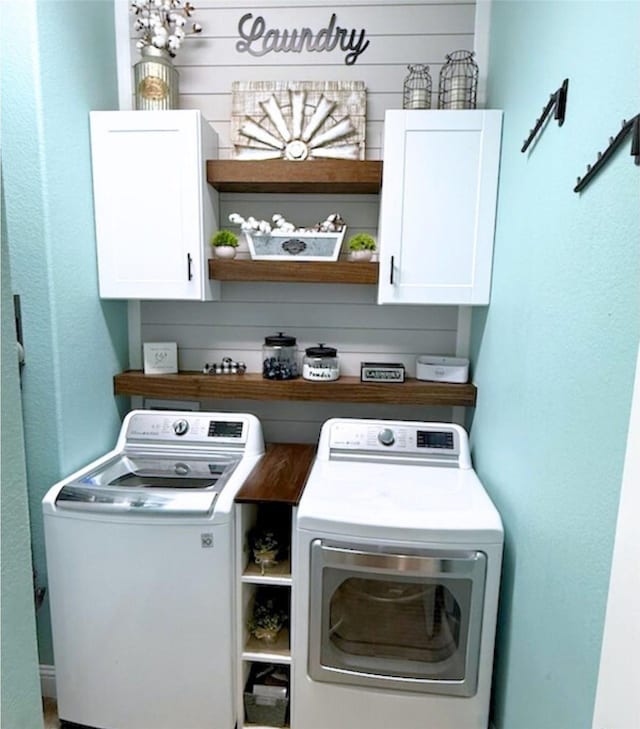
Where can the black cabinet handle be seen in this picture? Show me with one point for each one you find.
(189, 274)
(391, 273)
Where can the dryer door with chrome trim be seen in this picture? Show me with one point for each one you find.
(407, 620)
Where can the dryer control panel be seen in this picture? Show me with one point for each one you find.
(439, 441)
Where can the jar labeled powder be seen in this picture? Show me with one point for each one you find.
(321, 364)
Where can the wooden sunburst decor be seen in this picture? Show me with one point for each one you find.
(298, 120)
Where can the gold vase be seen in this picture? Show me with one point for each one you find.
(156, 80)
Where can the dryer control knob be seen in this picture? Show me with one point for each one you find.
(180, 427)
(386, 437)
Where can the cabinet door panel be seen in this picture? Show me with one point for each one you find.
(148, 178)
(438, 206)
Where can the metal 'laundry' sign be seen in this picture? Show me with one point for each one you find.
(258, 40)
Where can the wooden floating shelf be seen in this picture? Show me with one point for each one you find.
(339, 177)
(342, 272)
(252, 386)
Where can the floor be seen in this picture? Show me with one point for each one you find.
(50, 709)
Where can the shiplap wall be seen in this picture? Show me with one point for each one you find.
(399, 33)
(346, 317)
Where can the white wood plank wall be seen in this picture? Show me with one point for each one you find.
(399, 33)
(346, 317)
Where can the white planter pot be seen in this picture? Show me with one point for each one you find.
(225, 252)
(360, 255)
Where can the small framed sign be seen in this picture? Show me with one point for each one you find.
(381, 372)
(160, 358)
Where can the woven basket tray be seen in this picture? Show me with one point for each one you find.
(265, 710)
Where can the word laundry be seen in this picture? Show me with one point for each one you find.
(257, 40)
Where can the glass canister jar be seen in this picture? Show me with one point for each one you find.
(280, 357)
(321, 364)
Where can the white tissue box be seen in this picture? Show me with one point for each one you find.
(442, 369)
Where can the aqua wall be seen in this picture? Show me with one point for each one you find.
(555, 351)
(20, 691)
(58, 63)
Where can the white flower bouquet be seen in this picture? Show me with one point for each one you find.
(163, 23)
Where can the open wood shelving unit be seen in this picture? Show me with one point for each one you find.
(252, 386)
(280, 176)
(337, 177)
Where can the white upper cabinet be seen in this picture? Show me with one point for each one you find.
(154, 211)
(438, 206)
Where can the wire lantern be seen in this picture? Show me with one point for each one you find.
(458, 87)
(417, 87)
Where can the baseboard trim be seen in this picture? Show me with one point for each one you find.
(48, 681)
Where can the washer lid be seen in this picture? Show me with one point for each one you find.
(151, 484)
(398, 501)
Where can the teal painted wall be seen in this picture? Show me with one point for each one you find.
(20, 692)
(58, 64)
(555, 351)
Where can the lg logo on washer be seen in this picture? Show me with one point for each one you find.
(206, 540)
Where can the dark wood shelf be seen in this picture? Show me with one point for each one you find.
(342, 272)
(311, 176)
(279, 477)
(252, 386)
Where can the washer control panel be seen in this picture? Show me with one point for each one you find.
(401, 438)
(192, 428)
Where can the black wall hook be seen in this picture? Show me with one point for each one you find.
(632, 126)
(557, 100)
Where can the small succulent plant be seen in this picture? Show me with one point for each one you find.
(361, 242)
(224, 238)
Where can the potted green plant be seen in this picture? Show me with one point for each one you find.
(361, 247)
(224, 243)
(265, 547)
(267, 620)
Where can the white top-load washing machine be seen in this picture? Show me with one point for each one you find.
(396, 573)
(139, 549)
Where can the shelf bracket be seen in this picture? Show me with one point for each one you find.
(558, 103)
(632, 126)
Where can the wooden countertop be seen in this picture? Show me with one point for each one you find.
(280, 475)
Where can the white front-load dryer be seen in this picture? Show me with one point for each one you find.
(396, 574)
(139, 548)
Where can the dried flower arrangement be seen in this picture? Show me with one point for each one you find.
(268, 618)
(163, 23)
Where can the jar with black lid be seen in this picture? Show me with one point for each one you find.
(321, 364)
(280, 357)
